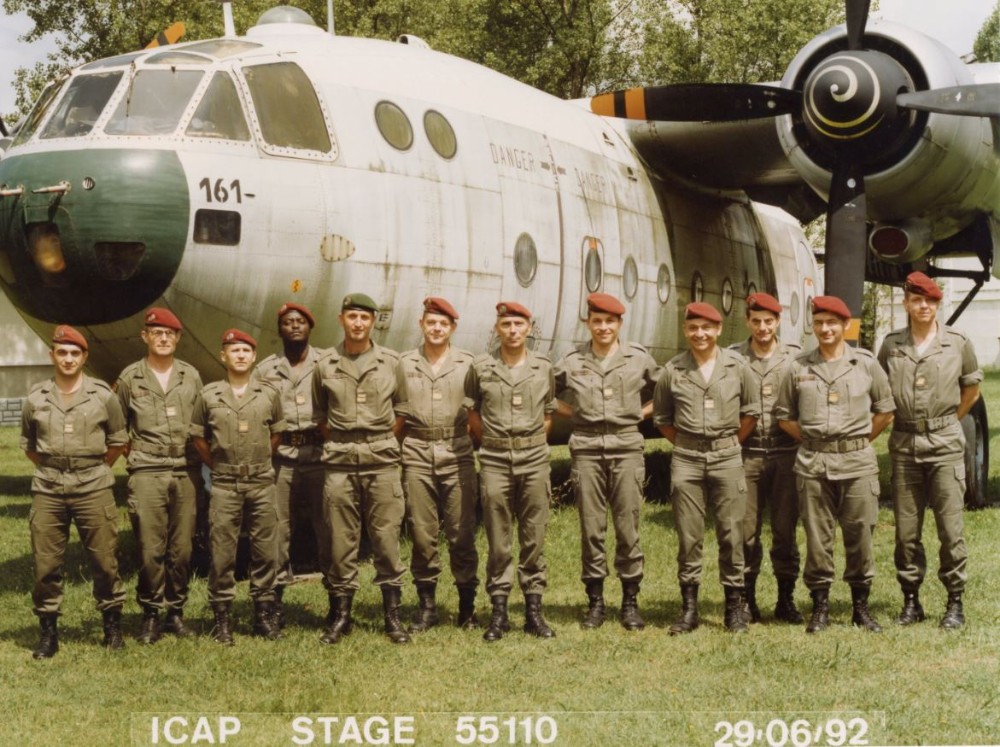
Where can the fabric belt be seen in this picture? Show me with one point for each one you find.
(515, 443)
(436, 434)
(310, 437)
(241, 470)
(699, 443)
(161, 450)
(924, 425)
(359, 437)
(836, 447)
(66, 464)
(770, 443)
(607, 430)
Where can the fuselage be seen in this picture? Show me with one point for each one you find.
(223, 178)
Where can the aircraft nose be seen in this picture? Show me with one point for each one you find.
(90, 236)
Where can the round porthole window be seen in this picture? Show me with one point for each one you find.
(394, 125)
(630, 277)
(697, 287)
(727, 296)
(663, 283)
(440, 134)
(525, 259)
(593, 270)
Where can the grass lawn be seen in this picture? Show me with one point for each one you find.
(910, 686)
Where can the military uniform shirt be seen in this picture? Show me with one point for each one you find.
(84, 428)
(435, 400)
(834, 401)
(239, 430)
(928, 385)
(358, 396)
(159, 422)
(768, 373)
(512, 402)
(296, 400)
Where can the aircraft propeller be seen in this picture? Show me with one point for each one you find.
(857, 107)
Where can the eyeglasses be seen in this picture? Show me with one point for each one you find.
(158, 333)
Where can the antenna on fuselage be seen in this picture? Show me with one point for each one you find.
(227, 18)
(329, 17)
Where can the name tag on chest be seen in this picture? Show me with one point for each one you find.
(171, 412)
(833, 398)
(300, 399)
(362, 398)
(436, 395)
(243, 426)
(920, 382)
(67, 427)
(767, 390)
(517, 400)
(709, 403)
(609, 392)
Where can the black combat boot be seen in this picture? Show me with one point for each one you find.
(595, 605)
(499, 622)
(264, 625)
(688, 620)
(339, 621)
(913, 611)
(222, 632)
(820, 619)
(785, 608)
(391, 597)
(954, 616)
(467, 608)
(48, 641)
(113, 629)
(630, 617)
(862, 616)
(174, 623)
(751, 610)
(150, 631)
(278, 608)
(427, 613)
(735, 615)
(534, 623)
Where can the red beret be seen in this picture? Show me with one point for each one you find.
(66, 335)
(286, 307)
(832, 304)
(158, 317)
(917, 282)
(512, 308)
(763, 302)
(438, 305)
(606, 303)
(234, 336)
(702, 310)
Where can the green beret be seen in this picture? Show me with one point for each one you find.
(359, 301)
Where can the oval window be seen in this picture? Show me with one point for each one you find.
(394, 125)
(440, 134)
(663, 283)
(793, 307)
(630, 277)
(593, 270)
(697, 287)
(525, 259)
(751, 289)
(727, 296)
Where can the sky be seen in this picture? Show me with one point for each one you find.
(954, 22)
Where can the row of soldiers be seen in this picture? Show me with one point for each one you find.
(759, 426)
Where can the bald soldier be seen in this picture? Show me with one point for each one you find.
(236, 427)
(768, 460)
(73, 430)
(439, 470)
(606, 386)
(511, 398)
(706, 403)
(357, 390)
(835, 400)
(157, 396)
(934, 376)
(298, 465)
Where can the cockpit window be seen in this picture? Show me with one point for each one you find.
(173, 57)
(154, 102)
(222, 48)
(287, 107)
(81, 105)
(219, 114)
(119, 61)
(38, 113)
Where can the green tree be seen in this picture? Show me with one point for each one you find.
(987, 44)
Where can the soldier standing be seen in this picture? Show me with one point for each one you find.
(511, 397)
(236, 425)
(706, 403)
(157, 395)
(356, 388)
(768, 460)
(439, 469)
(73, 430)
(298, 466)
(606, 386)
(835, 401)
(934, 378)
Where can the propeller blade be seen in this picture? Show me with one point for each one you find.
(3, 128)
(857, 19)
(970, 101)
(847, 242)
(170, 35)
(698, 102)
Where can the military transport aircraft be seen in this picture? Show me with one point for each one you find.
(223, 177)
